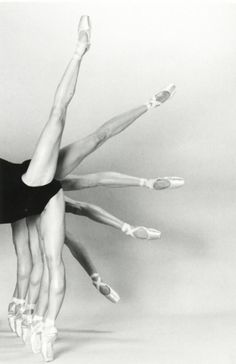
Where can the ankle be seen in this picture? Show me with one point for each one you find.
(49, 323)
(37, 318)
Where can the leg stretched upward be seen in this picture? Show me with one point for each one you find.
(43, 164)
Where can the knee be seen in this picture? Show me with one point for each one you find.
(54, 263)
(36, 273)
(58, 111)
(56, 274)
(101, 136)
(24, 269)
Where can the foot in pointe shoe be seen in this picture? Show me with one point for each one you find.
(48, 338)
(35, 336)
(84, 35)
(141, 232)
(161, 96)
(11, 315)
(26, 327)
(162, 183)
(104, 288)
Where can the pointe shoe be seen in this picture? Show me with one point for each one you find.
(18, 323)
(104, 288)
(48, 338)
(11, 321)
(35, 338)
(11, 316)
(161, 96)
(162, 183)
(141, 232)
(19, 318)
(84, 34)
(26, 327)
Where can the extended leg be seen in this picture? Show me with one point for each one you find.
(117, 180)
(80, 254)
(42, 167)
(98, 214)
(72, 155)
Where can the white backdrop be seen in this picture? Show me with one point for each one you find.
(137, 48)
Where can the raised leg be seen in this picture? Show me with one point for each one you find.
(80, 254)
(43, 164)
(72, 155)
(118, 180)
(100, 215)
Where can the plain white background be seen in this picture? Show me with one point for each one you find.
(137, 48)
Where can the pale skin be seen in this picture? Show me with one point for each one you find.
(47, 162)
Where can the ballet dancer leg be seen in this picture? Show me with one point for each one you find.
(35, 277)
(53, 233)
(42, 167)
(37, 260)
(98, 214)
(72, 155)
(12, 308)
(40, 310)
(80, 254)
(24, 266)
(118, 180)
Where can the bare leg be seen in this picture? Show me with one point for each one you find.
(42, 303)
(53, 234)
(43, 165)
(80, 254)
(101, 179)
(72, 155)
(37, 259)
(40, 310)
(98, 214)
(24, 262)
(117, 180)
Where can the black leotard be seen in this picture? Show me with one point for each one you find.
(18, 200)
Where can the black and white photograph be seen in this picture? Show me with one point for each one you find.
(117, 182)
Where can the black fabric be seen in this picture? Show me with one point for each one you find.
(18, 200)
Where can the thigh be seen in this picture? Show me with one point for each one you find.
(73, 154)
(52, 227)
